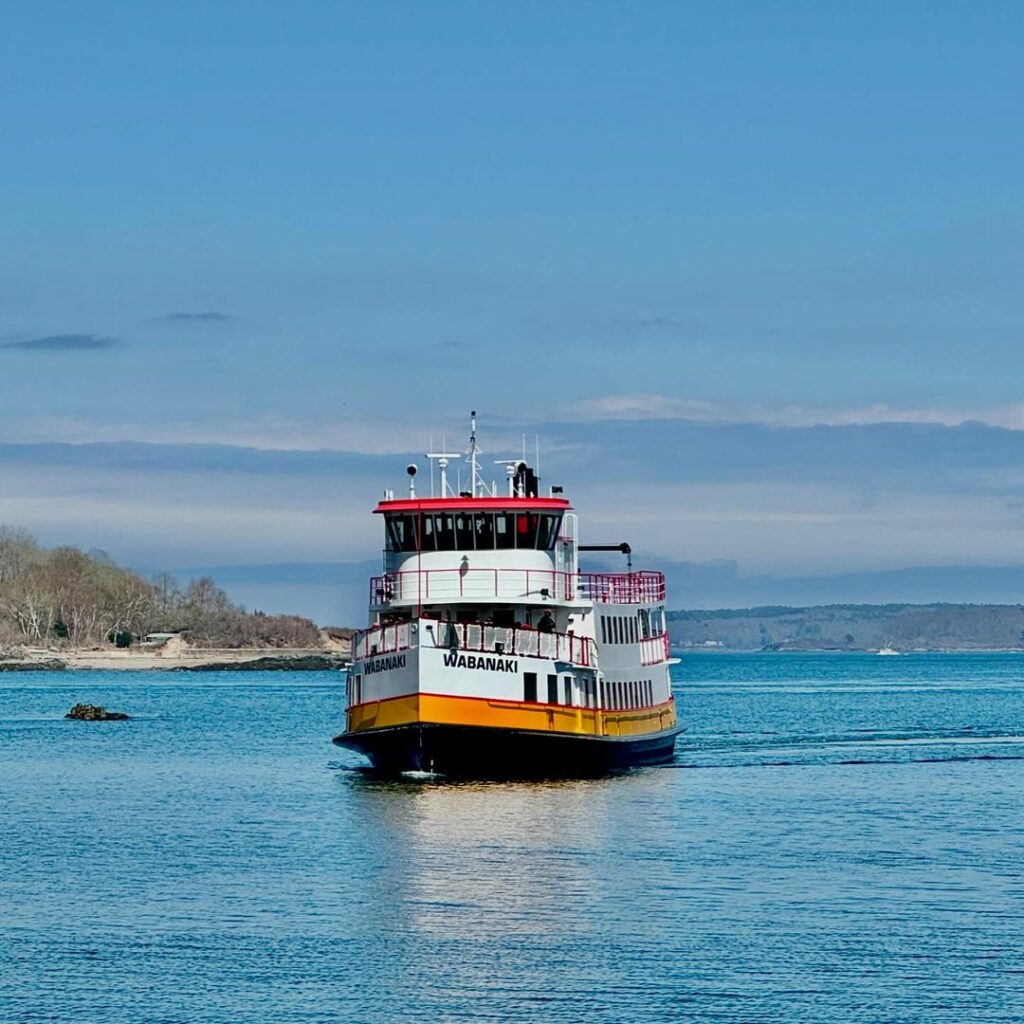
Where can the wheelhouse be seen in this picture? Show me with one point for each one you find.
(464, 526)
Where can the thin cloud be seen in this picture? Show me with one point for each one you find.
(207, 317)
(649, 407)
(64, 343)
(665, 407)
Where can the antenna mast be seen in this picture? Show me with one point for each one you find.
(473, 452)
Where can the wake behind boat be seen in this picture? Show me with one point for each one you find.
(490, 653)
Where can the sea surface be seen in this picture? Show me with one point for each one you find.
(840, 839)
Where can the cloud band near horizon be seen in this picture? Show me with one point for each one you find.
(63, 343)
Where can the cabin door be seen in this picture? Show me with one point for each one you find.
(565, 553)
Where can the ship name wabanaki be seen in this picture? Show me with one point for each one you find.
(488, 651)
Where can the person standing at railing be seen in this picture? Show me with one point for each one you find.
(451, 635)
(546, 623)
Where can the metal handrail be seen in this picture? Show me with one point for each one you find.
(477, 638)
(642, 587)
(654, 649)
(459, 584)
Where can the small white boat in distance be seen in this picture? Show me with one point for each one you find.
(888, 650)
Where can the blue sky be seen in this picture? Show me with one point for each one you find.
(333, 226)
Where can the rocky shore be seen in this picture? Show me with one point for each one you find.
(43, 665)
(273, 663)
(190, 660)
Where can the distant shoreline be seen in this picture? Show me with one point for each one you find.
(851, 627)
(681, 652)
(193, 660)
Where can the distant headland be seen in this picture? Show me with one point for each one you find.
(852, 627)
(62, 608)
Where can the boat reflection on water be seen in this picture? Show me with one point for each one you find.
(463, 858)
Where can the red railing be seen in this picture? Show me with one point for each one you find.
(622, 587)
(536, 585)
(470, 636)
(382, 640)
(654, 650)
(438, 585)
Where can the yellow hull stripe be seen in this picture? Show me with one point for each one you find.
(438, 709)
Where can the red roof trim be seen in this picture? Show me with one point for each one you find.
(453, 504)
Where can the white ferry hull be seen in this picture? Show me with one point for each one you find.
(453, 711)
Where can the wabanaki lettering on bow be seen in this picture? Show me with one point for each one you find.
(383, 664)
(481, 662)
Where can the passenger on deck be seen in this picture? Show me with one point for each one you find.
(451, 638)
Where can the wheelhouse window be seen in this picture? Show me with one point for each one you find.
(465, 535)
(504, 531)
(547, 531)
(444, 531)
(483, 529)
(472, 531)
(401, 532)
(526, 530)
(429, 534)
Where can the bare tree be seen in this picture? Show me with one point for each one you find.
(29, 601)
(128, 603)
(75, 582)
(18, 550)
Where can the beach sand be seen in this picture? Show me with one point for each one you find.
(175, 654)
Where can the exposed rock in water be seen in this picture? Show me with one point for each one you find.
(273, 663)
(94, 713)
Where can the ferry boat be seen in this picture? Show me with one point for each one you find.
(489, 653)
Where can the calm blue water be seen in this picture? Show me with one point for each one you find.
(842, 839)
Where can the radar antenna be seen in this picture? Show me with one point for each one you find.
(442, 459)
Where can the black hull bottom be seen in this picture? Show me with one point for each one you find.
(488, 752)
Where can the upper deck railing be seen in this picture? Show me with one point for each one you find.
(532, 586)
(621, 587)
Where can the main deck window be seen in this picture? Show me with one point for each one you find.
(530, 687)
(472, 531)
